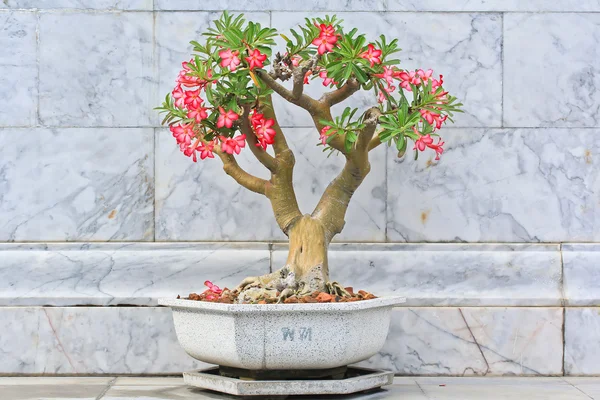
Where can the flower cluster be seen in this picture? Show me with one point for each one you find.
(189, 104)
(326, 40)
(430, 113)
(425, 141)
(263, 129)
(225, 83)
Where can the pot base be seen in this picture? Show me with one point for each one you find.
(355, 380)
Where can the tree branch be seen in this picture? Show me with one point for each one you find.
(324, 112)
(332, 207)
(233, 169)
(304, 101)
(280, 146)
(374, 143)
(341, 94)
(300, 72)
(261, 155)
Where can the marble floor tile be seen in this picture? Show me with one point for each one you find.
(53, 388)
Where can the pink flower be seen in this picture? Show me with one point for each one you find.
(182, 133)
(408, 78)
(427, 141)
(193, 99)
(233, 145)
(438, 148)
(432, 118)
(306, 76)
(187, 80)
(206, 150)
(198, 114)
(425, 76)
(325, 134)
(372, 55)
(212, 288)
(423, 142)
(256, 119)
(256, 59)
(327, 30)
(326, 81)
(179, 97)
(229, 59)
(226, 118)
(266, 131)
(388, 90)
(190, 151)
(296, 60)
(387, 74)
(325, 43)
(437, 83)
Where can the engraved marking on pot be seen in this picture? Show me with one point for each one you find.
(305, 334)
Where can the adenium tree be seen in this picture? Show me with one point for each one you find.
(222, 104)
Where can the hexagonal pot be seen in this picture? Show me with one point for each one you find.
(282, 336)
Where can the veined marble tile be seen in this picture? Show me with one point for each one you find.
(582, 347)
(455, 45)
(387, 5)
(562, 49)
(18, 68)
(123, 273)
(174, 31)
(473, 341)
(76, 184)
(582, 274)
(510, 185)
(448, 274)
(90, 340)
(220, 209)
(80, 4)
(97, 69)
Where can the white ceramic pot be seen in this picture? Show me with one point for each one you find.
(282, 336)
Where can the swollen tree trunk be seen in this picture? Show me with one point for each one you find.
(307, 257)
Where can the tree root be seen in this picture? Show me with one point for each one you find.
(280, 285)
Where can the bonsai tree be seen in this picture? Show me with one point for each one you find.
(222, 104)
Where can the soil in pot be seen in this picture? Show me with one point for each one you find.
(214, 294)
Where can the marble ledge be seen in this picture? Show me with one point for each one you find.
(448, 274)
(65, 274)
(121, 273)
(581, 274)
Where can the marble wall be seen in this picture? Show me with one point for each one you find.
(495, 246)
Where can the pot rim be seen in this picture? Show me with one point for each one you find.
(385, 301)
